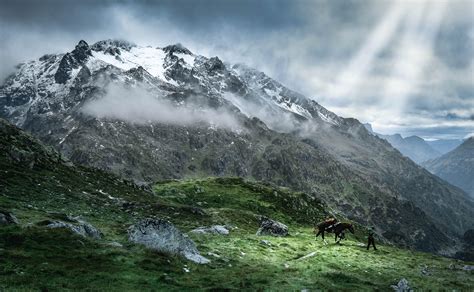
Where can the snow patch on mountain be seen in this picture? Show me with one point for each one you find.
(188, 59)
(150, 59)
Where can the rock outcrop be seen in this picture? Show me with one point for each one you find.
(402, 286)
(7, 218)
(76, 225)
(272, 227)
(163, 236)
(72, 60)
(214, 229)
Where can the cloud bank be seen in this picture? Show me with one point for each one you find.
(137, 105)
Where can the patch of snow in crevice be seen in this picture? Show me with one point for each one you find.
(67, 135)
(327, 118)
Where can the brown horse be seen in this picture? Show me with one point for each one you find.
(326, 225)
(339, 228)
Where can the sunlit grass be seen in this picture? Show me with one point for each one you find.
(34, 258)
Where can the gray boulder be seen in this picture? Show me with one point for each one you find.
(425, 271)
(7, 218)
(402, 286)
(75, 225)
(161, 235)
(468, 268)
(272, 227)
(214, 229)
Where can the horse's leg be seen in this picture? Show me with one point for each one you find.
(324, 240)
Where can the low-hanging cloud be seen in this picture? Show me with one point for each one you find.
(137, 105)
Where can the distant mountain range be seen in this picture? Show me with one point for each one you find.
(451, 160)
(416, 148)
(456, 167)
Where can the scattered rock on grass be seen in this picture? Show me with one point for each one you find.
(311, 254)
(213, 255)
(75, 225)
(272, 227)
(7, 218)
(461, 267)
(161, 235)
(215, 229)
(402, 286)
(114, 244)
(425, 271)
(265, 242)
(468, 268)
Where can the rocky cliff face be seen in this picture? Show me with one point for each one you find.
(457, 166)
(154, 113)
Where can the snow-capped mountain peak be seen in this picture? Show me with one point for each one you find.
(51, 78)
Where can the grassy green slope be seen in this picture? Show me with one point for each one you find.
(34, 257)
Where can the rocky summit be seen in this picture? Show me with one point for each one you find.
(149, 114)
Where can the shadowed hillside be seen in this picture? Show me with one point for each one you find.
(456, 167)
(38, 188)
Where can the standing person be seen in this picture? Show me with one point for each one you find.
(371, 240)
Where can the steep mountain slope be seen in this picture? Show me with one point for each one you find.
(444, 146)
(37, 185)
(413, 147)
(456, 167)
(152, 113)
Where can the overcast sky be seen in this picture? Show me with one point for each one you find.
(404, 66)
